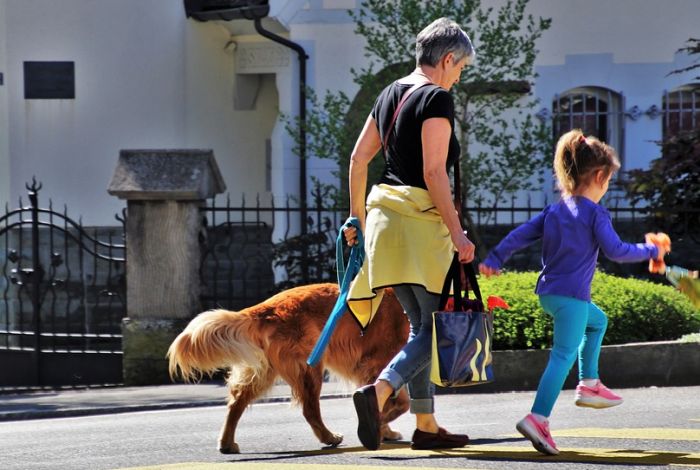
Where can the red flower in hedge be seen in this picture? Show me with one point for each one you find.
(496, 302)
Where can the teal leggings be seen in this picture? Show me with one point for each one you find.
(579, 327)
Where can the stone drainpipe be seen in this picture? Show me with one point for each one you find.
(164, 190)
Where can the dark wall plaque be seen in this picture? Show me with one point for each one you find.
(49, 80)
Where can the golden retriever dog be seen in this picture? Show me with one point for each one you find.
(274, 338)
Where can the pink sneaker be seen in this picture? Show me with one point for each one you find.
(538, 433)
(599, 396)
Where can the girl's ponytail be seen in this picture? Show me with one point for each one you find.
(577, 157)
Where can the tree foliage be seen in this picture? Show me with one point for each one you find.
(672, 180)
(503, 148)
(671, 184)
(692, 47)
(502, 145)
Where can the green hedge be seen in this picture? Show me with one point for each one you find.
(637, 311)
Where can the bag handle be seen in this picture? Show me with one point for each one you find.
(453, 274)
(453, 278)
(398, 109)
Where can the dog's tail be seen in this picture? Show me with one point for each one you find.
(215, 340)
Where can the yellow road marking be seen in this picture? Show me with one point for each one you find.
(663, 434)
(587, 455)
(485, 452)
(632, 433)
(274, 466)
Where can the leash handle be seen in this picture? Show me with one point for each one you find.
(357, 257)
(339, 260)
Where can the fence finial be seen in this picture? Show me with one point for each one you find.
(35, 187)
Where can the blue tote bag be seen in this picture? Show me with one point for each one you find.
(462, 336)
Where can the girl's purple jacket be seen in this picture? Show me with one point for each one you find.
(572, 232)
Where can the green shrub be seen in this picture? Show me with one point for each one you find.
(637, 311)
(690, 338)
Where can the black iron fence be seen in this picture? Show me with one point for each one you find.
(62, 297)
(250, 251)
(254, 250)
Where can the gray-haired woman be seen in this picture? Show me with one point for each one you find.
(410, 224)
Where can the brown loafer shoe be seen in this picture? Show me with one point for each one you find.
(439, 440)
(369, 419)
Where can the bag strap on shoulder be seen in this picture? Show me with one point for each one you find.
(405, 96)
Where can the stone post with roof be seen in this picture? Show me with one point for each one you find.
(164, 190)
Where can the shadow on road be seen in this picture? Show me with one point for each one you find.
(487, 449)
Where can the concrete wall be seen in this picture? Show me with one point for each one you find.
(628, 46)
(237, 136)
(148, 77)
(4, 115)
(129, 80)
(145, 77)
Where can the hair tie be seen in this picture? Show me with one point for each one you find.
(582, 139)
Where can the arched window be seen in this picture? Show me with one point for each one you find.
(681, 110)
(595, 110)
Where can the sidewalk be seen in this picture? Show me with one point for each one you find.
(81, 402)
(659, 364)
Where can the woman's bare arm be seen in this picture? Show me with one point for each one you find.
(366, 147)
(435, 135)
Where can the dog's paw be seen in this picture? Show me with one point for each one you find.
(334, 439)
(232, 449)
(389, 435)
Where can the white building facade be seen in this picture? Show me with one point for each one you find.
(145, 76)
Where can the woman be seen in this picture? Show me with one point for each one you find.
(410, 224)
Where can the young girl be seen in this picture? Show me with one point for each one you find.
(572, 232)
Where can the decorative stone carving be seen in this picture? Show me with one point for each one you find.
(260, 58)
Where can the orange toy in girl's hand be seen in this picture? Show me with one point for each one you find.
(661, 240)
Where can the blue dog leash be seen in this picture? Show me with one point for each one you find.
(357, 257)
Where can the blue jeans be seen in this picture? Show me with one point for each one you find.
(411, 365)
(579, 327)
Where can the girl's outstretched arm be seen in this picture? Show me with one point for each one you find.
(522, 237)
(614, 248)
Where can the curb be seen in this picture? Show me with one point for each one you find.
(26, 415)
(75, 412)
(632, 365)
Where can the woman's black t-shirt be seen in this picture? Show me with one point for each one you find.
(404, 154)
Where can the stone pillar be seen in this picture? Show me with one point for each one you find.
(164, 190)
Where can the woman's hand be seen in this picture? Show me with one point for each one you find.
(464, 247)
(350, 234)
(488, 271)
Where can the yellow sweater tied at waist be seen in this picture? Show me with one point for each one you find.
(406, 242)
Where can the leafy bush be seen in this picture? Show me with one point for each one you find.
(691, 338)
(637, 311)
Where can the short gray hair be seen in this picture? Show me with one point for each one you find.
(438, 39)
